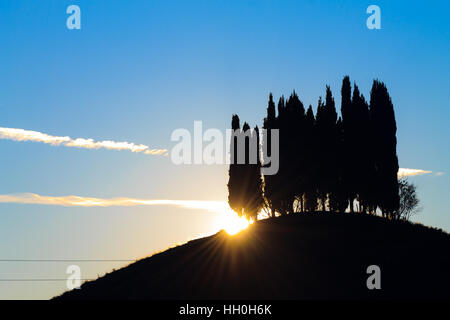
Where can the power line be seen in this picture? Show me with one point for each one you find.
(67, 260)
(26, 280)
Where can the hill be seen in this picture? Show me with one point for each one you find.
(299, 256)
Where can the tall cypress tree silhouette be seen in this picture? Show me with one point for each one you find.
(271, 193)
(311, 167)
(332, 147)
(326, 119)
(348, 122)
(245, 194)
(286, 195)
(321, 136)
(384, 149)
(358, 141)
(339, 197)
(234, 184)
(294, 130)
(363, 166)
(252, 178)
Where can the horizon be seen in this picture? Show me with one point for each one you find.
(86, 116)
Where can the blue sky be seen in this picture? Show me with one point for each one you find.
(137, 70)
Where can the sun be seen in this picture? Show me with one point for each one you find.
(231, 222)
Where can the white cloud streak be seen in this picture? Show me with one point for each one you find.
(77, 201)
(406, 172)
(35, 136)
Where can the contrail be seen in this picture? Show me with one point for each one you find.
(35, 136)
(405, 172)
(77, 201)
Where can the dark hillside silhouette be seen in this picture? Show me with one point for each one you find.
(304, 256)
(308, 249)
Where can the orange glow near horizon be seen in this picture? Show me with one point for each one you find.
(231, 222)
(228, 220)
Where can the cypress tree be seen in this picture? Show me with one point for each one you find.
(357, 141)
(270, 187)
(320, 133)
(332, 141)
(285, 197)
(339, 196)
(311, 162)
(363, 164)
(326, 119)
(348, 136)
(384, 150)
(254, 192)
(234, 185)
(296, 151)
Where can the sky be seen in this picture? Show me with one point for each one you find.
(94, 110)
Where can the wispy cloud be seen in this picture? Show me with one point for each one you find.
(35, 136)
(77, 201)
(406, 172)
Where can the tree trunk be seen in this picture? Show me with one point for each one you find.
(302, 209)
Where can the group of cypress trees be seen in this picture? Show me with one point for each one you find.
(245, 185)
(326, 162)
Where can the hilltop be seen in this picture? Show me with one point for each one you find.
(298, 256)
